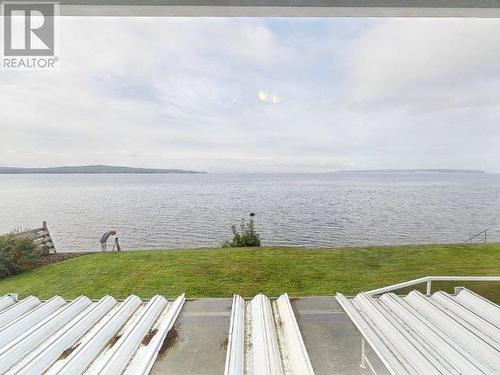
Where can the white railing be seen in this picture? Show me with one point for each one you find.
(428, 281)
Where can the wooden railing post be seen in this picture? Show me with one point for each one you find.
(41, 237)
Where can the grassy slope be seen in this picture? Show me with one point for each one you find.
(222, 272)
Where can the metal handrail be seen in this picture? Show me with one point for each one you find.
(483, 240)
(428, 280)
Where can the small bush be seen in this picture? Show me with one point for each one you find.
(245, 237)
(17, 255)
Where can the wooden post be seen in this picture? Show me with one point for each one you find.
(44, 225)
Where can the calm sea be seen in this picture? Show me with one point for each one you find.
(183, 211)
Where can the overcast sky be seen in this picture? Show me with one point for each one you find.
(261, 95)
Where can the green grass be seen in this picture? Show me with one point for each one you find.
(247, 271)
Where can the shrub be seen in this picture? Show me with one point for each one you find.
(245, 237)
(17, 255)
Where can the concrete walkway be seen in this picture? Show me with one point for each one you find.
(198, 342)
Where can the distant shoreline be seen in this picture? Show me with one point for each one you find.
(105, 169)
(93, 169)
(413, 171)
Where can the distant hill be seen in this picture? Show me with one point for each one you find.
(413, 171)
(90, 169)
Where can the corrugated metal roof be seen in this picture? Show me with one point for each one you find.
(414, 334)
(264, 339)
(82, 336)
(111, 337)
(437, 334)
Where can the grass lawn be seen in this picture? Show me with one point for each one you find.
(222, 272)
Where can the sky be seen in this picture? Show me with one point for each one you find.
(260, 95)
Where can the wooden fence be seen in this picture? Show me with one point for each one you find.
(41, 237)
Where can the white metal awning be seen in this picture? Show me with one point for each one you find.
(413, 334)
(436, 334)
(60, 337)
(111, 337)
(264, 339)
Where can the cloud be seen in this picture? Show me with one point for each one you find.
(430, 62)
(190, 93)
(114, 91)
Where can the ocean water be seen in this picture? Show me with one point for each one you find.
(310, 210)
